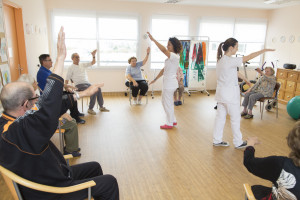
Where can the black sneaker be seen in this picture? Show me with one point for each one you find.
(243, 145)
(81, 115)
(74, 153)
(221, 144)
(216, 107)
(80, 121)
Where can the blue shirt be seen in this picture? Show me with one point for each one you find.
(42, 76)
(135, 72)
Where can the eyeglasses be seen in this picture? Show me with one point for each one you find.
(48, 60)
(30, 99)
(33, 98)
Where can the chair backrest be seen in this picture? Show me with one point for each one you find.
(248, 191)
(276, 89)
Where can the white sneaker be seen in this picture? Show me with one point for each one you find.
(134, 102)
(92, 112)
(139, 102)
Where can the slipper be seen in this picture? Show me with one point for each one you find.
(243, 114)
(248, 116)
(166, 127)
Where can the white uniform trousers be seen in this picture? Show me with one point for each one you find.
(235, 117)
(168, 104)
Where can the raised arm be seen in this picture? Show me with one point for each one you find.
(255, 54)
(160, 46)
(61, 53)
(94, 57)
(147, 56)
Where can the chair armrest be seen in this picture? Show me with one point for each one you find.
(248, 191)
(68, 156)
(45, 188)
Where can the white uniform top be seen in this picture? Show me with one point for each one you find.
(170, 71)
(78, 73)
(228, 90)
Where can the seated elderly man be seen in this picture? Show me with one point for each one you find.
(264, 87)
(77, 73)
(25, 144)
(67, 123)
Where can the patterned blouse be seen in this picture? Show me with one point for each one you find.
(265, 85)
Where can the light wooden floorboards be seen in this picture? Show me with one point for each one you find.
(179, 164)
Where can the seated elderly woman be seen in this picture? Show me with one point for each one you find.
(264, 87)
(283, 172)
(135, 79)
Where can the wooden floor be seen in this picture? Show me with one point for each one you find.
(179, 164)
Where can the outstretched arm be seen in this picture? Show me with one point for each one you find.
(147, 56)
(160, 46)
(255, 54)
(158, 76)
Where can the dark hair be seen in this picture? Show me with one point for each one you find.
(43, 57)
(293, 141)
(129, 60)
(176, 45)
(230, 42)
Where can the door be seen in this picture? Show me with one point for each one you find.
(14, 34)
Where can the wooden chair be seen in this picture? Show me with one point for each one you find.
(12, 180)
(249, 194)
(273, 100)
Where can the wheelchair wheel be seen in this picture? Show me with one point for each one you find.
(268, 107)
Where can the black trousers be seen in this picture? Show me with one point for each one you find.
(261, 192)
(142, 86)
(74, 109)
(106, 187)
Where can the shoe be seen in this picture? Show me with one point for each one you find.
(221, 144)
(248, 116)
(243, 145)
(92, 112)
(134, 102)
(176, 103)
(166, 127)
(179, 103)
(80, 121)
(174, 123)
(243, 114)
(81, 115)
(103, 109)
(139, 102)
(78, 150)
(74, 153)
(216, 107)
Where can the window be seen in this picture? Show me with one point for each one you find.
(250, 33)
(164, 27)
(115, 37)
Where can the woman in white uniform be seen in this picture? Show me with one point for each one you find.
(228, 93)
(170, 83)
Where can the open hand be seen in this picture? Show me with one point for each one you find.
(94, 52)
(150, 36)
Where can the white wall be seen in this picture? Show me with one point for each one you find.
(34, 13)
(284, 22)
(114, 78)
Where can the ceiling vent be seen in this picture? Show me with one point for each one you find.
(172, 1)
(279, 2)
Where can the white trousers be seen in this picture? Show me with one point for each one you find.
(235, 117)
(168, 104)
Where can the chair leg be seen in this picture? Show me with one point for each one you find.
(276, 109)
(82, 104)
(262, 110)
(89, 193)
(17, 190)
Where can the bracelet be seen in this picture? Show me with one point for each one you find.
(77, 95)
(94, 57)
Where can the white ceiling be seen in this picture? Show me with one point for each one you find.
(228, 3)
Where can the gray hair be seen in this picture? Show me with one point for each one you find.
(26, 78)
(14, 95)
